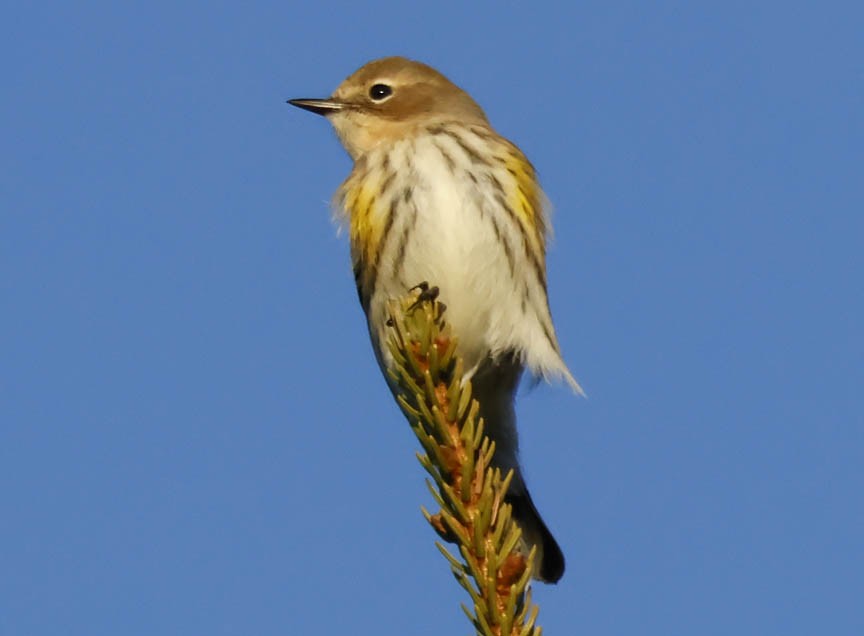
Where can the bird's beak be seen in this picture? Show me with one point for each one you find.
(318, 106)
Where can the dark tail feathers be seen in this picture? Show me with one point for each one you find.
(534, 532)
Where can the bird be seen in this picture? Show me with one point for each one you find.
(436, 194)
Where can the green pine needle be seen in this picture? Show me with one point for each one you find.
(428, 377)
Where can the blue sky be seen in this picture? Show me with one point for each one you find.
(194, 437)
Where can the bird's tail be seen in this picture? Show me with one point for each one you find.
(549, 558)
(494, 386)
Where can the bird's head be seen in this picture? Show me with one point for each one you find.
(389, 99)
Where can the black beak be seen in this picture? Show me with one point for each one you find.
(318, 106)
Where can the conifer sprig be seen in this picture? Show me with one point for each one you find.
(432, 392)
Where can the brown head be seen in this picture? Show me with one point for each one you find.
(389, 99)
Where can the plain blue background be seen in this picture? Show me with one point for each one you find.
(195, 438)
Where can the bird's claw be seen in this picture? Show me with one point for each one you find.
(427, 295)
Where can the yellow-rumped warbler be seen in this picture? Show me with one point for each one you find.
(437, 195)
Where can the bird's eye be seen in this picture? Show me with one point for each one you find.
(380, 92)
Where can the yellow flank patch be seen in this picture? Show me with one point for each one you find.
(360, 202)
(526, 198)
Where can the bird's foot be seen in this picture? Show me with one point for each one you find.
(427, 295)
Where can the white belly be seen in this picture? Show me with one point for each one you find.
(451, 231)
(447, 238)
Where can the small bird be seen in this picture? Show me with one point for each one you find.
(437, 195)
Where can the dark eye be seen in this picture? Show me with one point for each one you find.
(379, 92)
